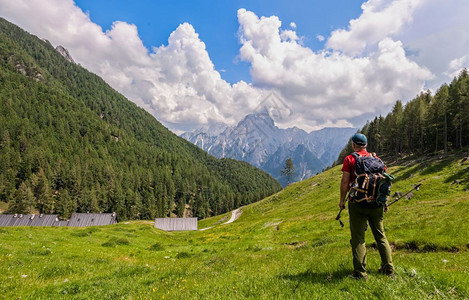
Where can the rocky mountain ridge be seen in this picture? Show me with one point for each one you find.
(257, 140)
(64, 52)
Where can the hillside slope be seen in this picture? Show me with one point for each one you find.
(69, 142)
(287, 246)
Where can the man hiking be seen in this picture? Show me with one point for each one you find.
(361, 212)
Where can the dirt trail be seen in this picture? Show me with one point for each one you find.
(235, 214)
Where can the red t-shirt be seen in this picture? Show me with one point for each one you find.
(349, 164)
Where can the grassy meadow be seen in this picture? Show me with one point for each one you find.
(287, 246)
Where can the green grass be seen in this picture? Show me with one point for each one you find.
(287, 246)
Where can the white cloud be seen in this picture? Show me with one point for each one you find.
(380, 19)
(392, 51)
(458, 63)
(432, 32)
(456, 66)
(288, 35)
(326, 86)
(439, 34)
(176, 82)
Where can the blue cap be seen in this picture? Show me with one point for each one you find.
(359, 139)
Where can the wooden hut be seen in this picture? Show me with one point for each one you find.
(5, 220)
(16, 220)
(176, 224)
(44, 220)
(86, 219)
(77, 220)
(28, 220)
(62, 223)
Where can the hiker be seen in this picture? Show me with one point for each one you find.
(362, 212)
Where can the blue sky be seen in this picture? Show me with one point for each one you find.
(194, 64)
(217, 24)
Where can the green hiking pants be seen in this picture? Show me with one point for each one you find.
(358, 216)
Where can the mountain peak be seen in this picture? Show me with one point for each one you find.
(257, 140)
(64, 52)
(209, 129)
(262, 118)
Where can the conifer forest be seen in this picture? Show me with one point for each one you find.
(70, 143)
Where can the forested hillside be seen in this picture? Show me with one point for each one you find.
(69, 142)
(427, 124)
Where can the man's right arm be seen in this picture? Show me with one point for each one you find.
(344, 186)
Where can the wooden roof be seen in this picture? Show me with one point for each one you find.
(5, 220)
(77, 220)
(44, 220)
(86, 219)
(15, 220)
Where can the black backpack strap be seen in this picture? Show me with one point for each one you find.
(356, 155)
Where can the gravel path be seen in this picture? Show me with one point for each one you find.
(235, 214)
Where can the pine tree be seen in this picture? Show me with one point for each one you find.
(65, 204)
(288, 170)
(23, 202)
(437, 120)
(463, 93)
(42, 193)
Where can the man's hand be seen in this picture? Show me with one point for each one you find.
(342, 204)
(386, 208)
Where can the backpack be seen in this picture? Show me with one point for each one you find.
(372, 183)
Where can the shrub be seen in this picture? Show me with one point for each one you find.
(156, 247)
(110, 243)
(122, 241)
(183, 255)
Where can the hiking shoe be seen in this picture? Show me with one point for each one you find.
(358, 276)
(387, 273)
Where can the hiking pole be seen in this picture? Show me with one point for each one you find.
(338, 218)
(416, 187)
(340, 211)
